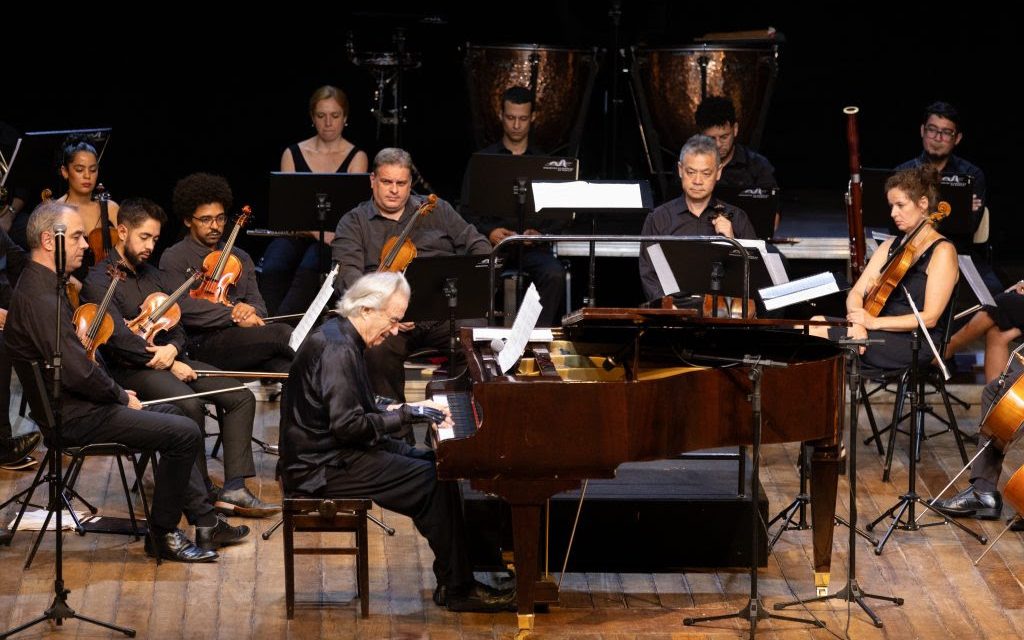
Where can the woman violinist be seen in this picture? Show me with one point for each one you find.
(80, 168)
(930, 278)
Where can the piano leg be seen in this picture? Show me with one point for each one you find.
(824, 482)
(525, 528)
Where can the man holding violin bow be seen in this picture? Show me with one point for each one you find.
(359, 242)
(156, 365)
(227, 331)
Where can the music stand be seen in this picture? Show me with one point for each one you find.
(494, 181)
(304, 201)
(955, 189)
(590, 201)
(38, 155)
(447, 288)
(761, 204)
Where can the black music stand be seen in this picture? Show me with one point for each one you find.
(304, 201)
(34, 165)
(957, 190)
(761, 204)
(714, 268)
(589, 209)
(448, 288)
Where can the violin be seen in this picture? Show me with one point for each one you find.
(160, 312)
(897, 266)
(92, 322)
(104, 237)
(399, 250)
(221, 268)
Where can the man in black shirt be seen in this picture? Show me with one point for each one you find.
(163, 370)
(234, 338)
(336, 437)
(696, 212)
(357, 246)
(537, 260)
(94, 407)
(13, 450)
(741, 166)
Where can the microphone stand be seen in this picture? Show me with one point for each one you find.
(59, 610)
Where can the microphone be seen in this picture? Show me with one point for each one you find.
(59, 253)
(497, 344)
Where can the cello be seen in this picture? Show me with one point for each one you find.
(398, 251)
(898, 265)
(222, 269)
(93, 324)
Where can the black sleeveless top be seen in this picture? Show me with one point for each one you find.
(302, 167)
(895, 353)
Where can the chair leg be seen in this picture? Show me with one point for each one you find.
(128, 498)
(875, 435)
(28, 492)
(289, 567)
(952, 420)
(362, 568)
(897, 411)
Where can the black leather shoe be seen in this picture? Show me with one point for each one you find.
(480, 598)
(220, 534)
(175, 546)
(241, 502)
(1018, 525)
(969, 503)
(14, 450)
(441, 595)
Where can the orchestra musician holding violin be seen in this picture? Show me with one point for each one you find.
(81, 169)
(223, 316)
(96, 409)
(358, 247)
(919, 259)
(156, 366)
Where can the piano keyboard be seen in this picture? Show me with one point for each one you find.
(464, 415)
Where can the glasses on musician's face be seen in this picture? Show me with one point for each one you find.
(939, 134)
(206, 221)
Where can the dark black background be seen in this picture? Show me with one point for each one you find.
(185, 92)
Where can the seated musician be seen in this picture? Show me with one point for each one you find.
(290, 268)
(1000, 325)
(231, 336)
(912, 196)
(96, 409)
(695, 213)
(360, 238)
(336, 437)
(741, 166)
(164, 370)
(517, 113)
(81, 169)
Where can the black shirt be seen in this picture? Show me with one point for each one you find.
(12, 260)
(674, 219)
(124, 347)
(956, 165)
(328, 411)
(202, 315)
(30, 335)
(362, 232)
(748, 169)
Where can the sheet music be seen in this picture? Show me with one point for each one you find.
(799, 290)
(926, 334)
(772, 261)
(486, 334)
(666, 278)
(314, 310)
(526, 320)
(970, 272)
(586, 195)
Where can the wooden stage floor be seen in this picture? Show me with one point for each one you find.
(242, 595)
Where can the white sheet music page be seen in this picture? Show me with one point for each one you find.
(526, 320)
(666, 278)
(586, 195)
(314, 311)
(970, 273)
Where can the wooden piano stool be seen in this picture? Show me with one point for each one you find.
(326, 515)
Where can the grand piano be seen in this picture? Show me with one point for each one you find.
(625, 385)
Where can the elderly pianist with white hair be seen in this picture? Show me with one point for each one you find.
(336, 438)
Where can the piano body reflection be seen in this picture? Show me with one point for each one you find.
(623, 386)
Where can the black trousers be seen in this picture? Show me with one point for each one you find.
(404, 480)
(239, 408)
(5, 389)
(988, 467)
(245, 348)
(161, 428)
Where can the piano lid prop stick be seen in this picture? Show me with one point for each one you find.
(187, 396)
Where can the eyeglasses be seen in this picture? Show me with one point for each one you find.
(208, 220)
(934, 132)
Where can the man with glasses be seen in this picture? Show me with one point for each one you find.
(357, 245)
(233, 338)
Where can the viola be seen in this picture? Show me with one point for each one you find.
(92, 322)
(221, 268)
(160, 312)
(399, 251)
(104, 237)
(897, 266)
